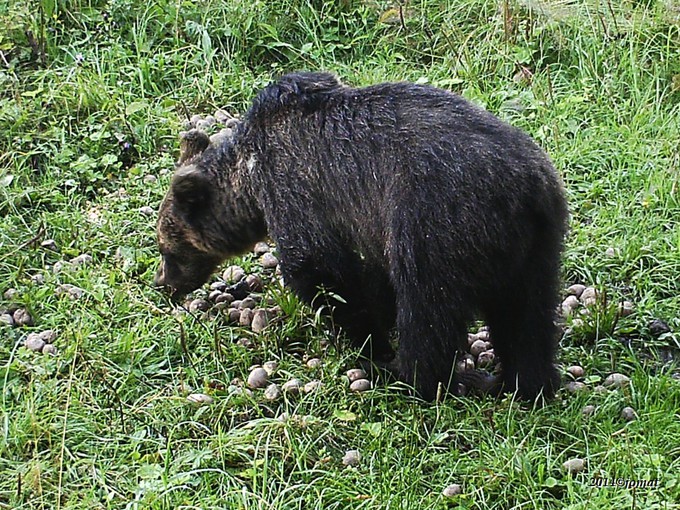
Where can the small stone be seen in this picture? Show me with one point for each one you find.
(270, 366)
(149, 179)
(478, 347)
(452, 490)
(222, 116)
(575, 386)
(589, 296)
(626, 308)
(261, 248)
(483, 334)
(312, 386)
(10, 294)
(616, 380)
(245, 342)
(22, 317)
(233, 274)
(260, 320)
(313, 363)
(199, 305)
(360, 385)
(576, 290)
(50, 244)
(33, 342)
(575, 371)
(81, 260)
(221, 136)
(355, 374)
(195, 118)
(49, 349)
(272, 392)
(239, 391)
(234, 315)
(657, 327)
(218, 285)
(200, 399)
(247, 303)
(569, 305)
(202, 125)
(600, 390)
(255, 283)
(6, 318)
(48, 336)
(210, 120)
(38, 278)
(224, 298)
(147, 210)
(257, 378)
(628, 414)
(214, 294)
(610, 252)
(486, 359)
(246, 317)
(351, 458)
(269, 261)
(466, 364)
(588, 410)
(71, 291)
(292, 387)
(573, 466)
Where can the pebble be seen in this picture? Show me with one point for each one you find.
(149, 179)
(33, 342)
(269, 261)
(313, 363)
(69, 290)
(576, 290)
(218, 285)
(246, 317)
(22, 317)
(589, 296)
(48, 336)
(360, 385)
(486, 359)
(270, 366)
(224, 298)
(292, 387)
(465, 365)
(261, 248)
(81, 260)
(477, 347)
(234, 315)
(214, 295)
(245, 342)
(10, 294)
(610, 252)
(483, 334)
(195, 118)
(626, 308)
(255, 283)
(233, 274)
(657, 327)
(260, 320)
(575, 371)
(575, 386)
(354, 374)
(588, 410)
(221, 116)
(200, 399)
(247, 303)
(573, 466)
(38, 278)
(272, 392)
(569, 305)
(351, 458)
(199, 305)
(147, 210)
(7, 319)
(312, 386)
(616, 380)
(50, 244)
(628, 414)
(452, 490)
(49, 349)
(257, 378)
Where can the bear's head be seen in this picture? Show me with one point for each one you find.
(206, 217)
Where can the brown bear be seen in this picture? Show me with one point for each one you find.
(419, 209)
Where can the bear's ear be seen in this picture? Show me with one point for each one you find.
(192, 143)
(191, 186)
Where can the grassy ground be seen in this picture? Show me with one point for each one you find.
(92, 97)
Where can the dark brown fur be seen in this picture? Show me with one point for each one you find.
(419, 209)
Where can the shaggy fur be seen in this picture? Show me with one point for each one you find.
(421, 210)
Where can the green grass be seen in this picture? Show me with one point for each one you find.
(92, 97)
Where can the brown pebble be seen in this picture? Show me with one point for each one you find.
(259, 321)
(233, 274)
(255, 283)
(246, 317)
(272, 392)
(261, 248)
(6, 318)
(576, 290)
(33, 342)
(292, 387)
(354, 374)
(589, 296)
(312, 386)
(486, 359)
(452, 490)
(198, 305)
(257, 378)
(49, 349)
(234, 315)
(224, 298)
(22, 317)
(247, 303)
(351, 458)
(270, 366)
(569, 305)
(628, 414)
(478, 347)
(313, 363)
(575, 371)
(575, 386)
(626, 308)
(269, 261)
(573, 466)
(588, 410)
(360, 385)
(616, 380)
